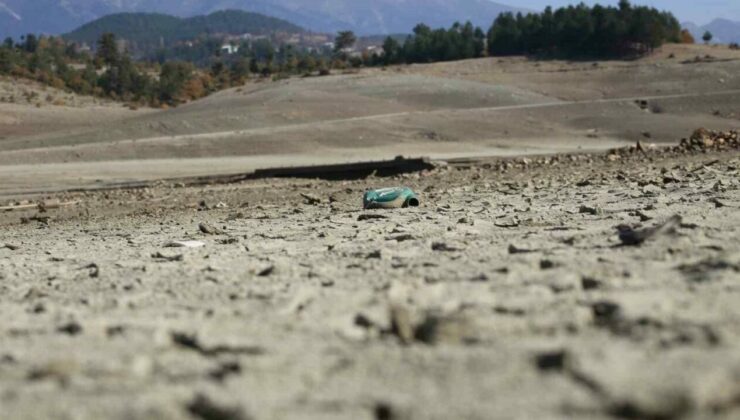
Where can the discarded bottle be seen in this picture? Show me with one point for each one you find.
(390, 198)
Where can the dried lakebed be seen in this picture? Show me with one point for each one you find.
(507, 294)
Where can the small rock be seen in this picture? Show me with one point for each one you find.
(115, 330)
(94, 270)
(370, 216)
(361, 320)
(634, 237)
(507, 223)
(590, 210)
(311, 199)
(224, 370)
(606, 312)
(266, 271)
(385, 411)
(643, 216)
(374, 255)
(445, 330)
(402, 237)
(670, 179)
(202, 407)
(513, 249)
(401, 324)
(589, 283)
(159, 256)
(209, 229)
(185, 244)
(444, 247)
(72, 328)
(551, 361)
(651, 189)
(480, 278)
(547, 264)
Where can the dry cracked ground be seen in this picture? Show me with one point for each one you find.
(507, 294)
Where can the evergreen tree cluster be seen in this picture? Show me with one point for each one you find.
(48, 60)
(109, 73)
(583, 31)
(252, 57)
(573, 31)
(171, 80)
(426, 45)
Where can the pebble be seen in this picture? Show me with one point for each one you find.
(590, 210)
(311, 199)
(209, 229)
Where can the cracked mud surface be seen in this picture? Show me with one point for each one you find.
(507, 294)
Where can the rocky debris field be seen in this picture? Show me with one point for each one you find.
(573, 286)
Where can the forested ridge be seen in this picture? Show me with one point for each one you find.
(147, 32)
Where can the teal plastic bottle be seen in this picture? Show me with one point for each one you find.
(390, 198)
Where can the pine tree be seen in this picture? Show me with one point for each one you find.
(391, 51)
(172, 80)
(504, 36)
(344, 40)
(254, 67)
(30, 43)
(479, 42)
(107, 49)
(240, 71)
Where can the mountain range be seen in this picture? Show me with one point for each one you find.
(365, 17)
(724, 31)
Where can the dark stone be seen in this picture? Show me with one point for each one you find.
(384, 411)
(72, 328)
(552, 361)
(203, 408)
(224, 370)
(589, 283)
(547, 264)
(606, 312)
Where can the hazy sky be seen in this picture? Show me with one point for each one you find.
(697, 11)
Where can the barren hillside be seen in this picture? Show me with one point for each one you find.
(478, 107)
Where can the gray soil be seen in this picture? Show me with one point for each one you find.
(520, 288)
(507, 294)
(478, 107)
